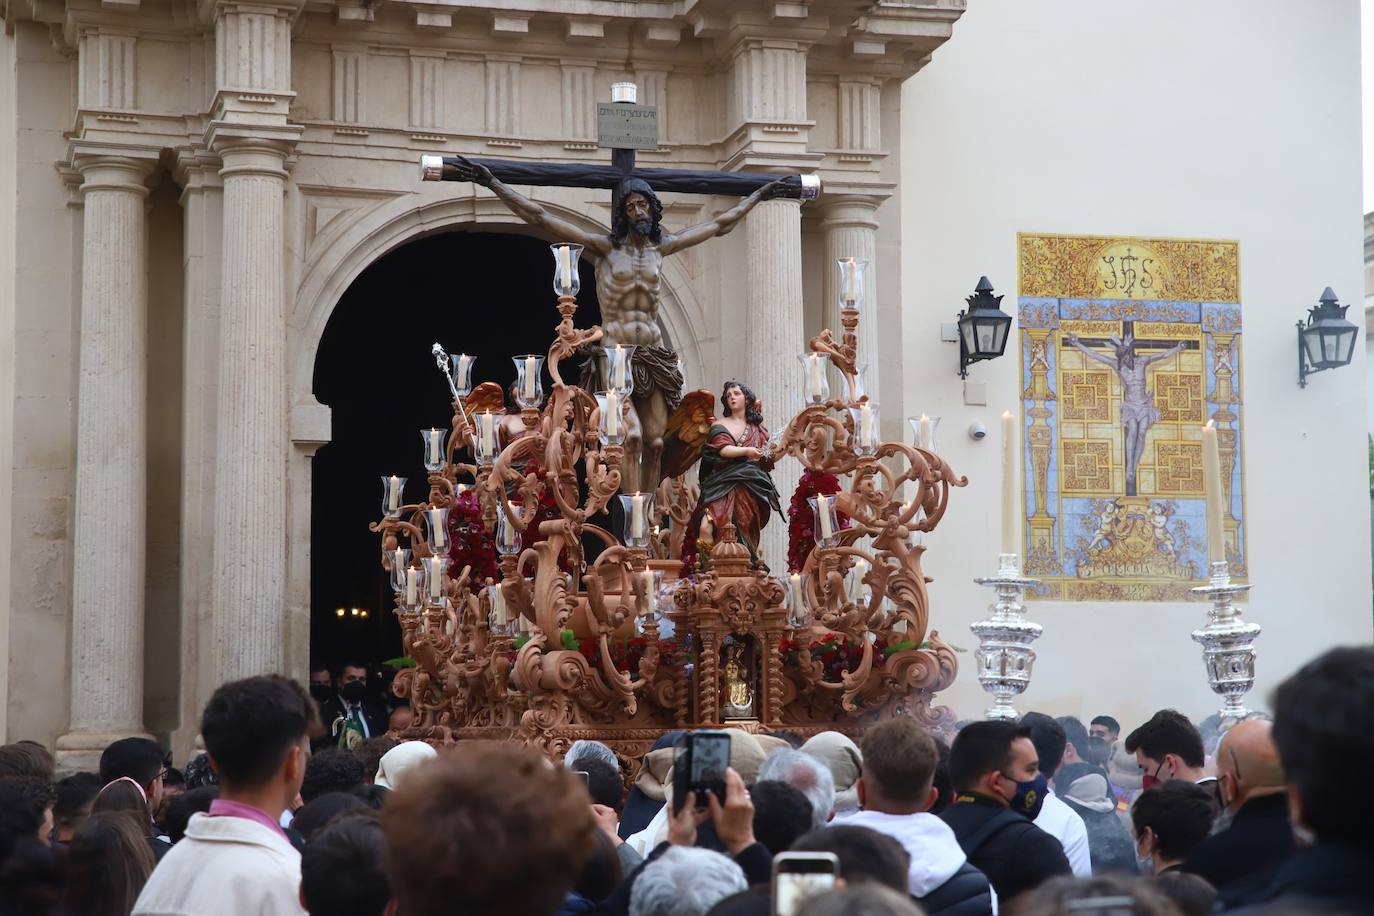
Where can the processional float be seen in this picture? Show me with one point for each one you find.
(548, 648)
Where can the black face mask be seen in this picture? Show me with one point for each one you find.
(354, 692)
(321, 692)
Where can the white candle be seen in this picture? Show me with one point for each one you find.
(618, 367)
(925, 436)
(412, 586)
(865, 425)
(1010, 515)
(393, 498)
(436, 576)
(813, 372)
(565, 268)
(1211, 478)
(646, 581)
(531, 377)
(823, 510)
(486, 428)
(498, 606)
(434, 457)
(860, 570)
(794, 588)
(637, 515)
(436, 528)
(612, 415)
(851, 281)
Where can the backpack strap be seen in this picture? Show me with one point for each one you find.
(1003, 819)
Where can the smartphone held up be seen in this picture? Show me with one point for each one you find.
(800, 875)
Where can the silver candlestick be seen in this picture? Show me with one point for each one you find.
(1004, 655)
(1228, 642)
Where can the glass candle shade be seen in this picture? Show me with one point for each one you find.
(487, 441)
(852, 271)
(462, 373)
(637, 519)
(400, 562)
(825, 520)
(815, 386)
(414, 587)
(498, 615)
(529, 387)
(566, 281)
(619, 377)
(436, 520)
(858, 388)
(923, 429)
(393, 495)
(612, 409)
(434, 577)
(435, 456)
(865, 439)
(855, 589)
(507, 535)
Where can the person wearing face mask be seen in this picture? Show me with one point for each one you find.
(999, 791)
(349, 716)
(1168, 747)
(1240, 860)
(1168, 823)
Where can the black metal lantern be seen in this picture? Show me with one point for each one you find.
(1326, 340)
(982, 328)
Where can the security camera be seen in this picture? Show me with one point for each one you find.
(977, 431)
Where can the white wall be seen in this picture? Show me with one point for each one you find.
(1233, 120)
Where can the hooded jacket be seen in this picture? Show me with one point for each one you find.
(940, 876)
(1083, 788)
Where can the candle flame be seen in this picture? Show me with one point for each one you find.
(1207, 425)
(1006, 415)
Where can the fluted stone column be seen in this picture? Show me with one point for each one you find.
(851, 231)
(110, 537)
(249, 590)
(773, 319)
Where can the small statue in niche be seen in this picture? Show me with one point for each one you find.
(739, 695)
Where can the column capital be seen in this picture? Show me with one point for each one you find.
(113, 168)
(252, 149)
(859, 210)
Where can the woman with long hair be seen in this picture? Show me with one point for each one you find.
(108, 865)
(735, 486)
(125, 796)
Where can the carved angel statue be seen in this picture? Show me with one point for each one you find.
(735, 461)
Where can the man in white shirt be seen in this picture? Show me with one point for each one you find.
(1056, 818)
(237, 859)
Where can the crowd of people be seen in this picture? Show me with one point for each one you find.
(1041, 816)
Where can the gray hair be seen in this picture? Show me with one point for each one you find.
(685, 881)
(582, 749)
(807, 774)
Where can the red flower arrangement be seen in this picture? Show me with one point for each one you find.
(838, 655)
(626, 653)
(800, 535)
(469, 542)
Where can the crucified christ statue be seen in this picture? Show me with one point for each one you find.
(628, 276)
(1138, 411)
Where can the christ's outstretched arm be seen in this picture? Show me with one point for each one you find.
(722, 223)
(1146, 360)
(529, 211)
(1074, 342)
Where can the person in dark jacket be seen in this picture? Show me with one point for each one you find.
(1084, 788)
(1324, 727)
(351, 716)
(1241, 859)
(895, 790)
(998, 792)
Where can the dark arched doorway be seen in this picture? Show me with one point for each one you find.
(488, 294)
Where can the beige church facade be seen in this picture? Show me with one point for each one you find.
(187, 190)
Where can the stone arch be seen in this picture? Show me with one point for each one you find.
(389, 224)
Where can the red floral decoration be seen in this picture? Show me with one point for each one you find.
(838, 655)
(800, 535)
(469, 542)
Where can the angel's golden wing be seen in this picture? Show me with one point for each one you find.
(685, 434)
(486, 396)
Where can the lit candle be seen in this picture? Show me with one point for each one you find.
(498, 606)
(865, 425)
(637, 516)
(486, 428)
(398, 560)
(646, 581)
(531, 377)
(813, 374)
(851, 281)
(612, 415)
(925, 436)
(1010, 519)
(1211, 478)
(794, 589)
(436, 528)
(860, 570)
(412, 586)
(823, 510)
(436, 576)
(393, 496)
(434, 456)
(565, 268)
(618, 367)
